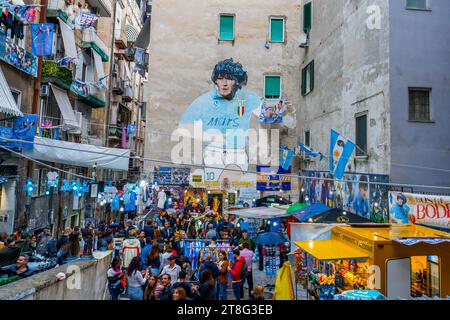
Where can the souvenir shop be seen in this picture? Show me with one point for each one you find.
(401, 261)
(197, 249)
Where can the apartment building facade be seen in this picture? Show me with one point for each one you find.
(381, 85)
(73, 114)
(188, 41)
(369, 73)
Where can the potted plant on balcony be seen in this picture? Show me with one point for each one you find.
(52, 72)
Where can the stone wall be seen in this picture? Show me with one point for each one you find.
(85, 280)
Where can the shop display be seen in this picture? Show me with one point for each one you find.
(271, 254)
(196, 250)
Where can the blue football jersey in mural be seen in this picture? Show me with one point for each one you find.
(217, 113)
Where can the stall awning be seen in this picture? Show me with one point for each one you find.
(143, 39)
(331, 250)
(413, 241)
(261, 213)
(7, 103)
(68, 36)
(320, 213)
(62, 99)
(77, 154)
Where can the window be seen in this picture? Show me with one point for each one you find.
(417, 4)
(307, 17)
(419, 104)
(226, 32)
(361, 135)
(307, 138)
(276, 30)
(17, 95)
(308, 78)
(272, 87)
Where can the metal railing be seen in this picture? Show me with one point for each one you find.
(90, 35)
(56, 4)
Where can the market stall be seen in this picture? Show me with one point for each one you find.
(400, 261)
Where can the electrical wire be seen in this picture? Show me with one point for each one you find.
(44, 164)
(229, 169)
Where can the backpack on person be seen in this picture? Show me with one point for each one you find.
(244, 271)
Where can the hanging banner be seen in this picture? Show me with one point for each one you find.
(42, 39)
(16, 56)
(24, 128)
(171, 176)
(271, 112)
(419, 209)
(272, 179)
(356, 193)
(85, 20)
(80, 88)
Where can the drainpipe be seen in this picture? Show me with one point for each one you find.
(111, 68)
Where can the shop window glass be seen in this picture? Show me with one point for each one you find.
(425, 276)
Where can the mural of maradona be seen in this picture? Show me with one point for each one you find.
(225, 109)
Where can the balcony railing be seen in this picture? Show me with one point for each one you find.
(118, 86)
(105, 7)
(128, 92)
(58, 8)
(92, 40)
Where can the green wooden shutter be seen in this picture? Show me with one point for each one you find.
(226, 28)
(272, 88)
(304, 81)
(311, 66)
(307, 17)
(276, 30)
(361, 135)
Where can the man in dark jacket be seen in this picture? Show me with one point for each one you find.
(149, 229)
(167, 233)
(183, 284)
(166, 294)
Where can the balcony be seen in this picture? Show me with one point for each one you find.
(54, 73)
(58, 9)
(127, 95)
(128, 54)
(96, 97)
(118, 86)
(120, 40)
(92, 41)
(104, 7)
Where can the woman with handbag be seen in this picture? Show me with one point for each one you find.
(115, 276)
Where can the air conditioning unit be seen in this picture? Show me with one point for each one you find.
(45, 90)
(304, 40)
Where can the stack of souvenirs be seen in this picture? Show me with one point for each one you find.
(196, 250)
(271, 260)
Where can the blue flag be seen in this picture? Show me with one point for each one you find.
(286, 157)
(42, 39)
(341, 150)
(310, 152)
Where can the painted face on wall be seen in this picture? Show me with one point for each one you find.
(225, 87)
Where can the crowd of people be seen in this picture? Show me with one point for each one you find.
(153, 265)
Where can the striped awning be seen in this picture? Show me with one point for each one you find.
(7, 103)
(131, 33)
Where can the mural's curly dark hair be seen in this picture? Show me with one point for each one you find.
(230, 70)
